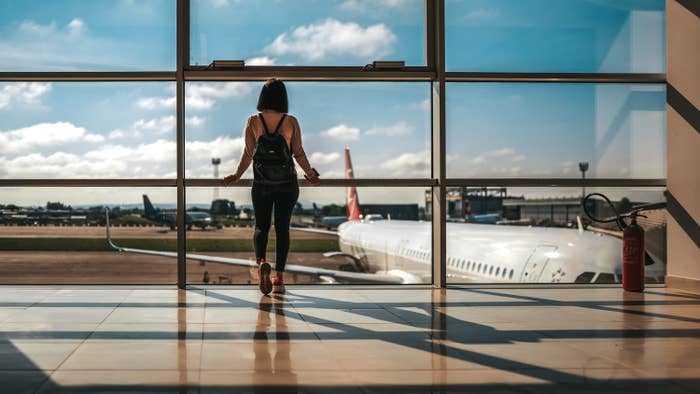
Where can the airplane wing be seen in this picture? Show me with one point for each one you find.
(327, 274)
(314, 230)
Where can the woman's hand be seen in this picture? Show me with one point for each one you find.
(313, 179)
(230, 180)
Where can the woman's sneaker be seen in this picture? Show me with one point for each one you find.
(278, 286)
(264, 270)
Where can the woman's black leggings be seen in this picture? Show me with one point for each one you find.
(282, 198)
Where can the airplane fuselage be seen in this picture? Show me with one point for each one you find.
(485, 253)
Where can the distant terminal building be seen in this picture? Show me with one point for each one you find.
(543, 211)
(463, 202)
(494, 205)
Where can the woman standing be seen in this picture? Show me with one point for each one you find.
(272, 138)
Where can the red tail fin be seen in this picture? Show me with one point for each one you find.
(353, 205)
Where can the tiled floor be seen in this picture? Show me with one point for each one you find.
(348, 340)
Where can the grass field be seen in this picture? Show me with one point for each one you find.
(193, 245)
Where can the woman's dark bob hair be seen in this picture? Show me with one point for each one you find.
(273, 96)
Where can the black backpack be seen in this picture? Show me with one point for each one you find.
(272, 161)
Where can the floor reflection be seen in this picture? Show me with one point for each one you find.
(350, 340)
(271, 332)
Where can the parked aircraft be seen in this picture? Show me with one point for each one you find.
(399, 251)
(169, 218)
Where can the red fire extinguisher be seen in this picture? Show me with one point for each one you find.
(633, 253)
(633, 256)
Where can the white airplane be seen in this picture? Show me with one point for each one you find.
(399, 252)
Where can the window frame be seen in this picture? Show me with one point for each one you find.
(434, 72)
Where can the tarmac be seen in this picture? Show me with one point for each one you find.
(139, 232)
(57, 267)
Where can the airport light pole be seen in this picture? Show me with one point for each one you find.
(215, 162)
(583, 166)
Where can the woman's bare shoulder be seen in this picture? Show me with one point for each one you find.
(293, 119)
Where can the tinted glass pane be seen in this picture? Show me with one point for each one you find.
(386, 126)
(498, 235)
(393, 235)
(87, 130)
(57, 235)
(76, 35)
(555, 35)
(546, 130)
(308, 32)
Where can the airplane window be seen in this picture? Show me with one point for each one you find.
(498, 271)
(510, 276)
(490, 270)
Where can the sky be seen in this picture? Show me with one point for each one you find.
(127, 130)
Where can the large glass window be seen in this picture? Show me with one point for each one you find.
(78, 35)
(58, 235)
(82, 117)
(308, 32)
(392, 241)
(531, 235)
(87, 130)
(545, 130)
(555, 36)
(385, 125)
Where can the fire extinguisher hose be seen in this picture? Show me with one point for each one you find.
(618, 218)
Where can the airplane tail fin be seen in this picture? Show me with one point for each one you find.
(353, 205)
(148, 209)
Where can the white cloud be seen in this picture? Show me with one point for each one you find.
(198, 96)
(76, 26)
(398, 129)
(421, 106)
(43, 134)
(23, 92)
(260, 61)
(320, 158)
(409, 164)
(498, 153)
(342, 132)
(567, 167)
(331, 38)
(194, 121)
(202, 96)
(156, 103)
(162, 125)
(93, 138)
(40, 47)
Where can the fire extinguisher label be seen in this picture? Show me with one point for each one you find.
(631, 250)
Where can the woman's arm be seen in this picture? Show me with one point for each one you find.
(298, 151)
(246, 157)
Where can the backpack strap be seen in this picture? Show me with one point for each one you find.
(263, 123)
(280, 123)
